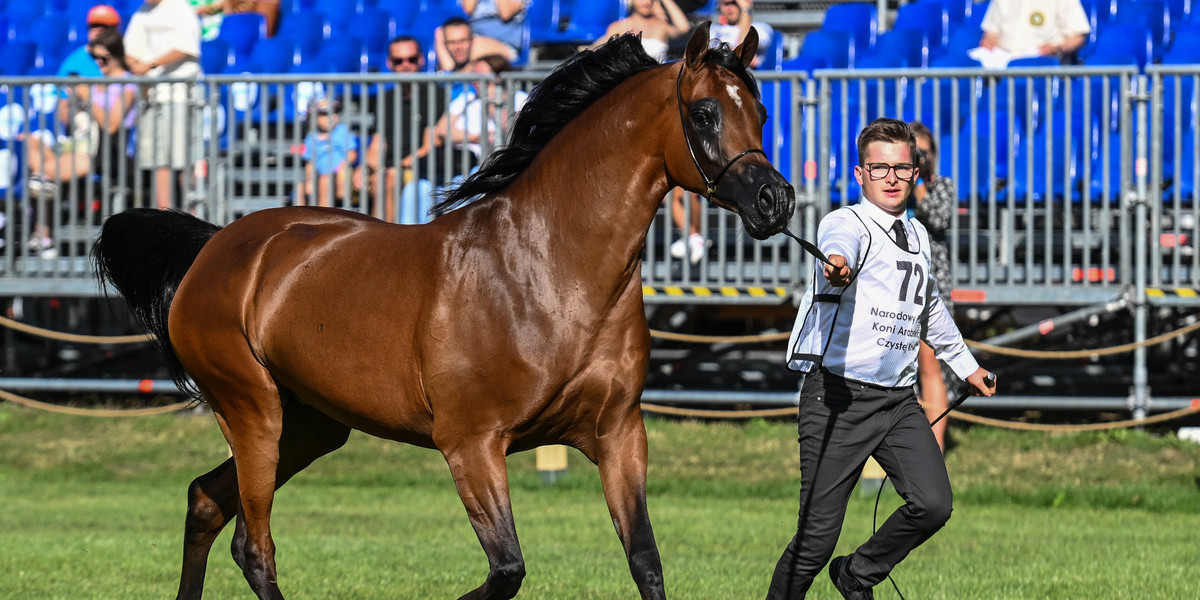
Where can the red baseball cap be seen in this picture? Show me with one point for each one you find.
(103, 14)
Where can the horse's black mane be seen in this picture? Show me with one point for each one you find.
(561, 96)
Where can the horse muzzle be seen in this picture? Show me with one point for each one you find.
(762, 197)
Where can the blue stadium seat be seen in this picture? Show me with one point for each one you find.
(403, 11)
(587, 21)
(215, 56)
(808, 64)
(51, 33)
(343, 54)
(963, 38)
(929, 17)
(835, 47)
(18, 57)
(1181, 10)
(1154, 15)
(709, 7)
(956, 10)
(374, 27)
(241, 31)
(857, 20)
(1118, 43)
(23, 13)
(991, 131)
(308, 29)
(908, 47)
(273, 55)
(338, 12)
(938, 106)
(777, 97)
(1183, 87)
(1066, 135)
(543, 18)
(773, 56)
(1032, 94)
(1102, 11)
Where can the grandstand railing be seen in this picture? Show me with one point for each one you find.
(1044, 160)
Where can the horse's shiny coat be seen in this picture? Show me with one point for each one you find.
(512, 322)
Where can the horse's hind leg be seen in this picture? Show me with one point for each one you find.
(213, 498)
(481, 476)
(212, 502)
(621, 456)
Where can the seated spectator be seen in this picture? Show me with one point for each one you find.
(489, 111)
(462, 127)
(1024, 28)
(734, 22)
(211, 13)
(657, 21)
(96, 115)
(330, 151)
(78, 63)
(392, 132)
(494, 27)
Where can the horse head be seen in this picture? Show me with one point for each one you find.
(718, 149)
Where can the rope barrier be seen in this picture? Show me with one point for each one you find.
(72, 337)
(682, 337)
(93, 412)
(1046, 354)
(718, 414)
(1017, 425)
(968, 417)
(707, 339)
(1068, 354)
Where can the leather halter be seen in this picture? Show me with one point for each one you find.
(710, 185)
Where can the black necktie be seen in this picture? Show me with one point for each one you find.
(901, 236)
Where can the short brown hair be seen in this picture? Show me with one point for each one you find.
(890, 131)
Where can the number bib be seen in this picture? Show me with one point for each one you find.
(870, 330)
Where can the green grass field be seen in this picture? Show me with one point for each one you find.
(93, 508)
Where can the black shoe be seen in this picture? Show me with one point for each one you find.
(850, 588)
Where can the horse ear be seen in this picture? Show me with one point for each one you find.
(748, 47)
(697, 46)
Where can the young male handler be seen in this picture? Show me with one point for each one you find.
(856, 338)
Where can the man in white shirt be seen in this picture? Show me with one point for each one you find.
(163, 40)
(1024, 28)
(856, 337)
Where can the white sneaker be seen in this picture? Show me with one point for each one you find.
(679, 248)
(697, 247)
(50, 253)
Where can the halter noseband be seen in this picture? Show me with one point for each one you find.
(710, 186)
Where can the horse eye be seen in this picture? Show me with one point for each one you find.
(701, 118)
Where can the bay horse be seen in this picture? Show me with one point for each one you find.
(513, 321)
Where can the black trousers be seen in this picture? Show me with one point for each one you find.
(841, 423)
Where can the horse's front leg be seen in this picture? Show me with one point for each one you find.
(481, 475)
(621, 457)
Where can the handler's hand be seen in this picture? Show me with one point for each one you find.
(983, 382)
(838, 274)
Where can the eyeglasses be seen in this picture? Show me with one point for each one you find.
(877, 171)
(399, 60)
(450, 42)
(100, 58)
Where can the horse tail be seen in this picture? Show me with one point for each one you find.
(144, 254)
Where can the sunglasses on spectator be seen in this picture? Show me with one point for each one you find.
(100, 58)
(399, 60)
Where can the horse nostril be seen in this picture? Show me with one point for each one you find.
(766, 199)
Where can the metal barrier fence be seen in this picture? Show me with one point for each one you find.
(1044, 160)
